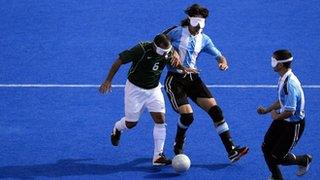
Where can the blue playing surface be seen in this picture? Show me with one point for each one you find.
(64, 132)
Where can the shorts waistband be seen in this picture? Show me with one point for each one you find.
(294, 122)
(180, 75)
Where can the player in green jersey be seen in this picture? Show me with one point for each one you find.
(143, 89)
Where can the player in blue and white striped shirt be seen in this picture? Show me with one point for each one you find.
(288, 124)
(189, 41)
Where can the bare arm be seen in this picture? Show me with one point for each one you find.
(275, 106)
(176, 62)
(281, 116)
(106, 85)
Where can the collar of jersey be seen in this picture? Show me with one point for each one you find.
(284, 77)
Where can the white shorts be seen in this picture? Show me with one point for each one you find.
(137, 99)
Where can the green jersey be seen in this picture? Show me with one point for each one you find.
(146, 66)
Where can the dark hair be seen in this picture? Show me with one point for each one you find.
(162, 39)
(194, 10)
(283, 54)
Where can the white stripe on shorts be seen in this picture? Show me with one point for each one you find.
(172, 98)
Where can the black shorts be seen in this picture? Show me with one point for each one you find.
(282, 136)
(179, 87)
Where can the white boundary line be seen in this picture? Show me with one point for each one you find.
(121, 86)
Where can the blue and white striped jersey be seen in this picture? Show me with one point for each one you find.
(291, 96)
(189, 46)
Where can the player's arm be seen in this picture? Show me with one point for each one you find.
(106, 85)
(211, 49)
(290, 104)
(124, 57)
(186, 70)
(175, 61)
(275, 106)
(284, 115)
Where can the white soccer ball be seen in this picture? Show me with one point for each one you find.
(181, 163)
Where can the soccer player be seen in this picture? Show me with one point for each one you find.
(288, 124)
(143, 89)
(189, 41)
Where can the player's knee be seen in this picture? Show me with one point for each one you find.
(216, 114)
(131, 125)
(159, 118)
(185, 120)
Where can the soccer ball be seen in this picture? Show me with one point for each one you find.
(181, 163)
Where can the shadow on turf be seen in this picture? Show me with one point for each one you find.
(211, 167)
(77, 167)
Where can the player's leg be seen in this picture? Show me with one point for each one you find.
(270, 139)
(175, 89)
(159, 137)
(156, 107)
(202, 96)
(134, 104)
(185, 120)
(119, 126)
(282, 150)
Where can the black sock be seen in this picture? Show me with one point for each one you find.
(183, 124)
(181, 134)
(227, 141)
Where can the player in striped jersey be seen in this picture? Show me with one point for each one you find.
(189, 40)
(288, 123)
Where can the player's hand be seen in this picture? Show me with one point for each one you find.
(190, 70)
(274, 115)
(223, 66)
(222, 63)
(175, 59)
(105, 87)
(261, 110)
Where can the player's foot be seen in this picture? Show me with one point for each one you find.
(303, 169)
(178, 147)
(160, 160)
(237, 153)
(115, 137)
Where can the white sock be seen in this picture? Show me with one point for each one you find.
(120, 125)
(159, 136)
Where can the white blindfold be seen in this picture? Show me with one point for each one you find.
(195, 21)
(274, 61)
(161, 51)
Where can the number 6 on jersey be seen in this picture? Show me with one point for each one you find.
(155, 66)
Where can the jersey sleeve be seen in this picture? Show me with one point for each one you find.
(132, 54)
(211, 49)
(291, 98)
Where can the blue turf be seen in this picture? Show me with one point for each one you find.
(64, 133)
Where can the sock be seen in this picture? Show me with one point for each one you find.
(222, 128)
(183, 124)
(227, 141)
(121, 124)
(180, 135)
(159, 136)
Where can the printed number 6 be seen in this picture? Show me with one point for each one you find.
(155, 66)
